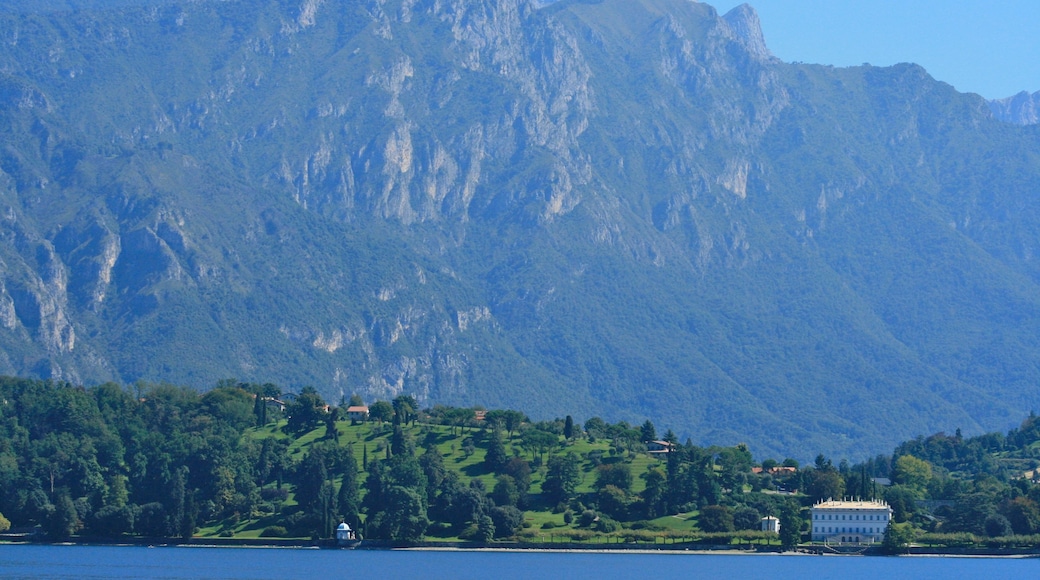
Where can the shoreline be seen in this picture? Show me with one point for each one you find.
(380, 545)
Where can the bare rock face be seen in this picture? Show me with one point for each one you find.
(1021, 109)
(743, 20)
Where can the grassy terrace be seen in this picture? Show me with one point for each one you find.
(463, 450)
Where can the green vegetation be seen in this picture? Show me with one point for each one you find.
(167, 462)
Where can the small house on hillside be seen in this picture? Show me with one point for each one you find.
(357, 413)
(659, 447)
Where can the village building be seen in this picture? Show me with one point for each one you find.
(658, 447)
(357, 413)
(850, 522)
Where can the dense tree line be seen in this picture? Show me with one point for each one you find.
(157, 460)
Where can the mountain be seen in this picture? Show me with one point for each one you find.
(1021, 109)
(624, 208)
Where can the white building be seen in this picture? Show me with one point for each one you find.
(771, 524)
(850, 522)
(357, 413)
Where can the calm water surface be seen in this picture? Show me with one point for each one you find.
(89, 562)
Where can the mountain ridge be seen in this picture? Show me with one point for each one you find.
(618, 208)
(1020, 109)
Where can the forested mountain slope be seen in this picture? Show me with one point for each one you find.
(624, 208)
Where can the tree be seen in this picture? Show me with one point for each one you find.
(5, 524)
(311, 475)
(177, 495)
(356, 401)
(901, 499)
(111, 521)
(326, 510)
(997, 525)
(485, 529)
(348, 498)
(401, 443)
(596, 428)
(405, 408)
(648, 432)
(191, 512)
(561, 478)
(376, 485)
(403, 517)
(306, 413)
(260, 411)
(617, 474)
(746, 518)
(536, 441)
(897, 537)
(715, 518)
(461, 504)
(508, 521)
(1023, 515)
(912, 472)
(273, 461)
(433, 467)
(653, 493)
(520, 471)
(381, 411)
(505, 492)
(822, 463)
(790, 525)
(613, 501)
(825, 484)
(151, 520)
(495, 459)
(331, 432)
(736, 463)
(457, 417)
(64, 521)
(568, 428)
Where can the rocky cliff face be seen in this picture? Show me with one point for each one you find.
(1021, 109)
(625, 207)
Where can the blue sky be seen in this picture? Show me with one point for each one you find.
(991, 48)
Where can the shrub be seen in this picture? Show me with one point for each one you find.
(270, 494)
(588, 517)
(274, 532)
(469, 533)
(607, 525)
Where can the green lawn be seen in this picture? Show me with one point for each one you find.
(463, 451)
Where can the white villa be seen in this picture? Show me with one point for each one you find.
(855, 522)
(771, 524)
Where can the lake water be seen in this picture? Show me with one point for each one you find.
(177, 563)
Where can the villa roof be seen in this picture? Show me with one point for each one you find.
(851, 504)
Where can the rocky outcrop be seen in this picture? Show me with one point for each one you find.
(1021, 109)
(743, 20)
